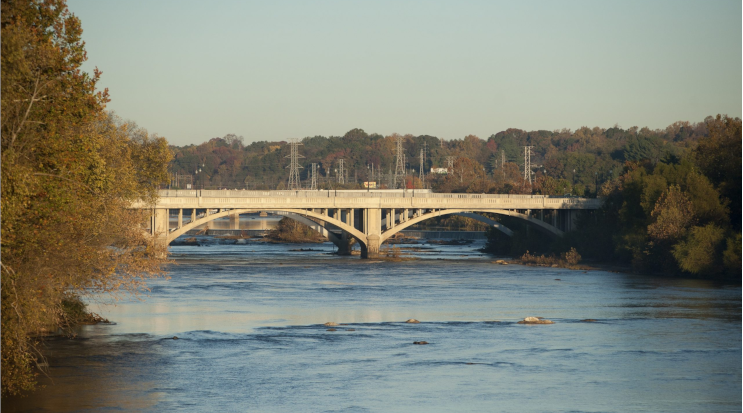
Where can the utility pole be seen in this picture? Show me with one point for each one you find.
(399, 162)
(527, 164)
(503, 162)
(341, 173)
(313, 184)
(294, 165)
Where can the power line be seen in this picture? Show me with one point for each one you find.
(294, 167)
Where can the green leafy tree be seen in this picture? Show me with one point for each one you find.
(700, 252)
(69, 175)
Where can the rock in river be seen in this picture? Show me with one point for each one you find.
(535, 320)
(330, 323)
(412, 321)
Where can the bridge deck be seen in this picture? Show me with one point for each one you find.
(177, 199)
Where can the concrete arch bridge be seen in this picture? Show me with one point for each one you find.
(371, 217)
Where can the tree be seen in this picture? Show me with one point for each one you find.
(699, 252)
(719, 158)
(672, 215)
(70, 172)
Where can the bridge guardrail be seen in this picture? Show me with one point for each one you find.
(357, 194)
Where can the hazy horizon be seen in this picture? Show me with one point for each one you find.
(192, 71)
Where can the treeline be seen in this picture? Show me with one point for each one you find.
(679, 214)
(69, 173)
(573, 162)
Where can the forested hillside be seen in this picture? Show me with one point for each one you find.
(677, 212)
(562, 161)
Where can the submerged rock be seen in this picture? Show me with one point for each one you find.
(535, 320)
(331, 329)
(175, 337)
(412, 321)
(588, 320)
(420, 342)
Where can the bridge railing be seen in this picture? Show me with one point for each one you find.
(413, 193)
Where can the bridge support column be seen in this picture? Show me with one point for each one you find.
(180, 218)
(160, 227)
(373, 227)
(345, 244)
(234, 221)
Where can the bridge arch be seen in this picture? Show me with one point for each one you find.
(545, 227)
(299, 212)
(495, 224)
(320, 228)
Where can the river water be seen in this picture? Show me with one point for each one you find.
(249, 321)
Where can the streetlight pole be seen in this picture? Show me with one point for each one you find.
(573, 187)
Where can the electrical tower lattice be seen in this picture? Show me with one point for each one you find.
(423, 162)
(341, 172)
(294, 165)
(313, 184)
(450, 163)
(400, 162)
(527, 164)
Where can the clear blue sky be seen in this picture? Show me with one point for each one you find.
(274, 70)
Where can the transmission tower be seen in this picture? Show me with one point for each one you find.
(313, 184)
(400, 162)
(422, 175)
(450, 162)
(527, 164)
(294, 165)
(341, 173)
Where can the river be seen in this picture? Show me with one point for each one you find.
(249, 321)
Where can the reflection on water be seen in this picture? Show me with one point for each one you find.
(249, 321)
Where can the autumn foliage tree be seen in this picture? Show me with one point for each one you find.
(69, 173)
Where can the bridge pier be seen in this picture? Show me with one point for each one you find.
(345, 245)
(234, 221)
(373, 231)
(160, 226)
